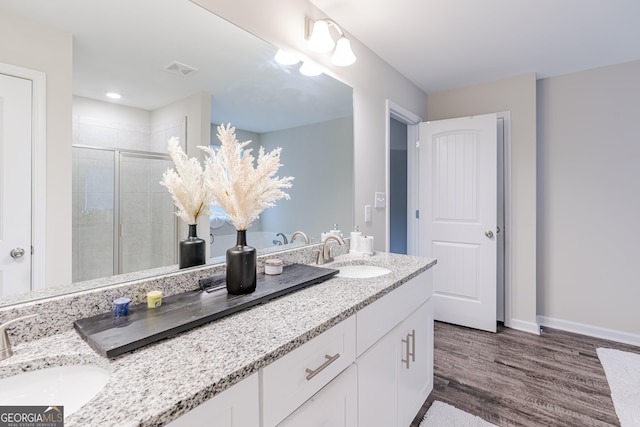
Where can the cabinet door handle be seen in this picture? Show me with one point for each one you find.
(413, 345)
(330, 359)
(406, 345)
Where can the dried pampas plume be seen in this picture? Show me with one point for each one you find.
(186, 184)
(240, 189)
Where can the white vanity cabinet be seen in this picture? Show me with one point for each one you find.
(374, 368)
(237, 406)
(395, 373)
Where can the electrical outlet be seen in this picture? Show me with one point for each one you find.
(367, 213)
(380, 199)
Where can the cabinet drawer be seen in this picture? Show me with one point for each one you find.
(377, 319)
(289, 381)
(335, 405)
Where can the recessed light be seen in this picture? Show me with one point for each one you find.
(113, 95)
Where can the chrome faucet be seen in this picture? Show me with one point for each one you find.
(300, 233)
(324, 255)
(284, 238)
(5, 344)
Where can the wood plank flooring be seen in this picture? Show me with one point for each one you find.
(514, 378)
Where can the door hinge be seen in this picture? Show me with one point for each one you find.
(418, 144)
(417, 213)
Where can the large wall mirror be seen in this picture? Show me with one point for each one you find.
(176, 64)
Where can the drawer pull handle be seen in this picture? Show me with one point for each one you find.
(329, 361)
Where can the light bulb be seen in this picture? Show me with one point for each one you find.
(320, 40)
(343, 55)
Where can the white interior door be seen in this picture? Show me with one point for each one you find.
(458, 217)
(15, 185)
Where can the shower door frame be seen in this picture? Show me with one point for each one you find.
(117, 226)
(118, 229)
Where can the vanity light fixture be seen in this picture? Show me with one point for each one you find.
(113, 95)
(319, 40)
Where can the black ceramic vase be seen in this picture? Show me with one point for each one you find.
(192, 249)
(241, 266)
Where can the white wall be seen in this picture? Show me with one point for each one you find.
(49, 51)
(197, 109)
(373, 80)
(588, 204)
(518, 95)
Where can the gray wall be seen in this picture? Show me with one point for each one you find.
(320, 158)
(588, 203)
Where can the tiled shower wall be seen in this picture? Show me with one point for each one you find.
(148, 223)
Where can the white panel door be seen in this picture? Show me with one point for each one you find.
(15, 185)
(458, 217)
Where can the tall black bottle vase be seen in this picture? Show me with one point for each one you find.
(241, 266)
(192, 249)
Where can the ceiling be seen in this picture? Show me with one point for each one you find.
(443, 44)
(123, 46)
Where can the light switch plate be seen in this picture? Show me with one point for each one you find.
(367, 213)
(380, 199)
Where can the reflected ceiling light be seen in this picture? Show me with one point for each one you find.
(319, 40)
(286, 58)
(113, 95)
(310, 69)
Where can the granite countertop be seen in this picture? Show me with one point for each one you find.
(156, 384)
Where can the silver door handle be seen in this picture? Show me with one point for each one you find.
(406, 343)
(16, 253)
(313, 372)
(488, 233)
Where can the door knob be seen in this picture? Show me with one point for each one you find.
(16, 253)
(488, 233)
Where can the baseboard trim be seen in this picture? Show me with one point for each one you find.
(590, 330)
(524, 326)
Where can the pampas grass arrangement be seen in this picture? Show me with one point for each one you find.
(186, 184)
(241, 189)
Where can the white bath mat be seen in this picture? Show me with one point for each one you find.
(623, 374)
(443, 415)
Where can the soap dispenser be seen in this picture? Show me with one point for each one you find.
(354, 241)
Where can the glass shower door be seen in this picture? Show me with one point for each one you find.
(93, 198)
(147, 223)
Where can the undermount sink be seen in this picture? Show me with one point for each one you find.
(69, 386)
(361, 271)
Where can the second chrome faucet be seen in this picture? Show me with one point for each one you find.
(324, 254)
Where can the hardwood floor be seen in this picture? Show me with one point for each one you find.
(514, 378)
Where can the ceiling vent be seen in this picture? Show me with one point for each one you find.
(180, 69)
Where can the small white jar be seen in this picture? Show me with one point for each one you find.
(273, 267)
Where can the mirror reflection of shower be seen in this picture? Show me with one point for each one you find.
(123, 219)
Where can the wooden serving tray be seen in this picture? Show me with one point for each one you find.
(112, 337)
